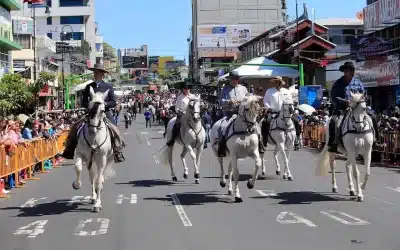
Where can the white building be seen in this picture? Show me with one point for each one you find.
(71, 16)
(99, 47)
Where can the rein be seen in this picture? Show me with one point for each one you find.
(353, 120)
(248, 123)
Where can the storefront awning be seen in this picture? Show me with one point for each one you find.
(11, 4)
(8, 44)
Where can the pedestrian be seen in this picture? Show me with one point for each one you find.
(207, 125)
(147, 116)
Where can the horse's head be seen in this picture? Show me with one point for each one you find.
(287, 109)
(358, 107)
(194, 109)
(97, 109)
(248, 109)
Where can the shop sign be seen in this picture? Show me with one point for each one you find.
(363, 48)
(379, 73)
(381, 13)
(19, 64)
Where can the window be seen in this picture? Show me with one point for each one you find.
(50, 35)
(348, 39)
(77, 35)
(99, 47)
(24, 40)
(338, 40)
(48, 3)
(71, 20)
(349, 32)
(49, 21)
(71, 3)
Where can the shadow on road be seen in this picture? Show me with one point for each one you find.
(153, 183)
(51, 208)
(296, 198)
(246, 177)
(194, 198)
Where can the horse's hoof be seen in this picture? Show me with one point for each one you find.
(174, 178)
(290, 178)
(230, 192)
(360, 198)
(278, 172)
(197, 176)
(185, 176)
(352, 193)
(238, 200)
(75, 187)
(284, 177)
(222, 184)
(249, 185)
(97, 209)
(334, 190)
(263, 173)
(197, 181)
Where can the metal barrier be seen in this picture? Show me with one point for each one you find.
(25, 158)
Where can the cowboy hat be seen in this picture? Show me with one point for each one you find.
(279, 80)
(347, 65)
(98, 67)
(233, 76)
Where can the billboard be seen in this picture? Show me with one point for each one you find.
(23, 27)
(131, 62)
(311, 95)
(208, 36)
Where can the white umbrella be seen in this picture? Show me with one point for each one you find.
(306, 109)
(250, 71)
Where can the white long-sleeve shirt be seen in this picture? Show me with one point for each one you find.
(182, 102)
(273, 98)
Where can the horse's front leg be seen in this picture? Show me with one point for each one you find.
(286, 156)
(230, 175)
(264, 171)
(332, 164)
(92, 177)
(77, 184)
(257, 159)
(278, 167)
(367, 164)
(349, 171)
(185, 150)
(196, 162)
(222, 180)
(169, 152)
(99, 181)
(236, 177)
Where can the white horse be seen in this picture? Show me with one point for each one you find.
(358, 138)
(192, 136)
(94, 144)
(282, 133)
(241, 141)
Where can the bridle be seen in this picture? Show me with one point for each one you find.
(353, 119)
(92, 113)
(249, 124)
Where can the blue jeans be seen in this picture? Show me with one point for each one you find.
(207, 128)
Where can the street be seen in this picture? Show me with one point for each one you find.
(144, 209)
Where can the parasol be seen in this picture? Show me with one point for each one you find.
(307, 109)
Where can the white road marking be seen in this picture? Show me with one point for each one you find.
(127, 133)
(181, 211)
(32, 233)
(241, 159)
(356, 222)
(374, 198)
(76, 199)
(394, 189)
(269, 194)
(121, 198)
(144, 133)
(31, 202)
(160, 132)
(298, 219)
(156, 159)
(103, 227)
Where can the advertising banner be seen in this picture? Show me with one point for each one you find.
(311, 95)
(23, 27)
(364, 48)
(381, 13)
(130, 62)
(382, 72)
(233, 35)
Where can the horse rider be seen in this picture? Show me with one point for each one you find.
(230, 99)
(180, 109)
(98, 85)
(342, 89)
(273, 103)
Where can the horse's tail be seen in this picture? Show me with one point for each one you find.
(163, 155)
(323, 164)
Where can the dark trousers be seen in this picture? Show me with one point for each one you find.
(265, 126)
(176, 129)
(148, 123)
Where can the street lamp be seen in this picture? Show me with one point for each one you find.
(65, 36)
(47, 12)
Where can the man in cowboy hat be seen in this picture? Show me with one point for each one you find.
(180, 109)
(273, 103)
(341, 89)
(98, 85)
(230, 99)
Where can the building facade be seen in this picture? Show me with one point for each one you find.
(73, 17)
(134, 61)
(6, 38)
(220, 26)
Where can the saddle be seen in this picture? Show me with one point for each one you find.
(343, 127)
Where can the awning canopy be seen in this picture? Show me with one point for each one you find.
(8, 44)
(271, 71)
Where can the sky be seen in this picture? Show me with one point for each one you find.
(164, 25)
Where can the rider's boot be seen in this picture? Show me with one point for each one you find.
(117, 142)
(222, 146)
(72, 140)
(175, 133)
(265, 131)
(332, 142)
(261, 147)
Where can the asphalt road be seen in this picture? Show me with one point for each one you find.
(277, 214)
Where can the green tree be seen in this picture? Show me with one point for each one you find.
(14, 92)
(109, 51)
